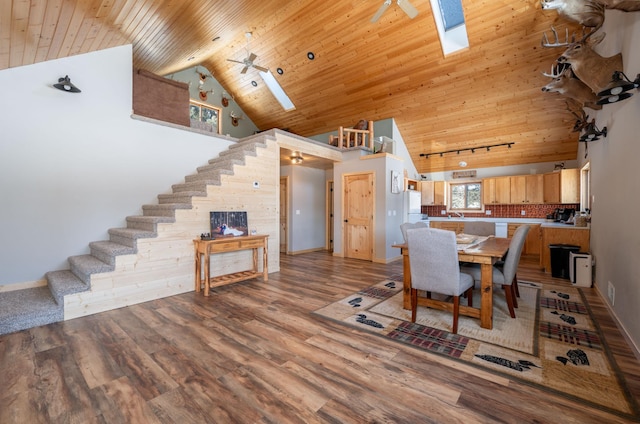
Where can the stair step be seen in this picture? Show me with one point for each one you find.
(182, 197)
(28, 308)
(221, 163)
(85, 265)
(64, 282)
(148, 223)
(210, 178)
(193, 186)
(167, 210)
(107, 251)
(129, 236)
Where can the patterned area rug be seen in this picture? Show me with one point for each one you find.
(553, 342)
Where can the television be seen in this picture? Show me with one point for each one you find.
(228, 224)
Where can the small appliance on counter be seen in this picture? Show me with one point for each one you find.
(562, 214)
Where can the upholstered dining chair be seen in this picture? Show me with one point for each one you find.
(433, 259)
(408, 225)
(505, 274)
(480, 228)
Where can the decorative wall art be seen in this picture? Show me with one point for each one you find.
(228, 224)
(207, 114)
(396, 184)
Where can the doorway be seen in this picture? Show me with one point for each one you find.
(358, 216)
(330, 222)
(284, 205)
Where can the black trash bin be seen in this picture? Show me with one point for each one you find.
(560, 259)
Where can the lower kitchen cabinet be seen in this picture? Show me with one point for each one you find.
(577, 236)
(456, 226)
(532, 244)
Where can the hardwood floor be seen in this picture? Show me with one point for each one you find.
(254, 353)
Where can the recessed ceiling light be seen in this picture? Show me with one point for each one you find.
(311, 56)
(280, 71)
(255, 84)
(462, 164)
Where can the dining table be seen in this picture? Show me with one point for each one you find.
(486, 251)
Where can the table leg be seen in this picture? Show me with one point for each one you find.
(198, 272)
(207, 270)
(265, 267)
(406, 280)
(486, 293)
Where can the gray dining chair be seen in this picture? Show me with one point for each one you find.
(433, 262)
(480, 228)
(505, 275)
(409, 225)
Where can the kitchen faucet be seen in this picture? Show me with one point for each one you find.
(460, 214)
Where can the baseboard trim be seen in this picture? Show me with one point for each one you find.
(22, 286)
(301, 252)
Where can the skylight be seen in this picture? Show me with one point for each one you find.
(452, 30)
(277, 90)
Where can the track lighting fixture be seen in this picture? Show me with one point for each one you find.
(471, 149)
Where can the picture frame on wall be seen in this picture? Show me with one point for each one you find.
(206, 114)
(396, 184)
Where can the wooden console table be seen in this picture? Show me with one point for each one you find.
(206, 248)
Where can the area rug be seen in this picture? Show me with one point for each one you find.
(552, 343)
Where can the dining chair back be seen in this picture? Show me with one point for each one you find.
(480, 228)
(434, 267)
(409, 225)
(505, 275)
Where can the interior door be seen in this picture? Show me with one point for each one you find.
(358, 216)
(283, 213)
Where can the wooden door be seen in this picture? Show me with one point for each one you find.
(284, 204)
(358, 216)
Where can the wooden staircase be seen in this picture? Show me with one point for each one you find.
(23, 309)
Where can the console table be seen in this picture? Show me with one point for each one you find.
(205, 248)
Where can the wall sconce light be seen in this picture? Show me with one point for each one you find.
(65, 84)
(592, 132)
(618, 88)
(296, 158)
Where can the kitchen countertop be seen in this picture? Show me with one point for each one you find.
(543, 222)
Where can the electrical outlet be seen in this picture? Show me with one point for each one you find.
(443, 212)
(611, 293)
(487, 212)
(523, 213)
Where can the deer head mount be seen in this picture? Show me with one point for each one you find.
(586, 13)
(565, 83)
(235, 119)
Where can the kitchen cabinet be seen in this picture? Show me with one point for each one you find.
(562, 186)
(577, 236)
(527, 189)
(496, 190)
(456, 226)
(533, 242)
(432, 193)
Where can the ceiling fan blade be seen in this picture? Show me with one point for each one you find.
(380, 11)
(252, 57)
(235, 61)
(244, 70)
(260, 68)
(408, 8)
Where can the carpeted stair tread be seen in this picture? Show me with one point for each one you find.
(64, 282)
(88, 264)
(209, 178)
(219, 163)
(107, 251)
(28, 308)
(193, 186)
(165, 209)
(182, 197)
(148, 222)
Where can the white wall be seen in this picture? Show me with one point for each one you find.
(74, 165)
(615, 228)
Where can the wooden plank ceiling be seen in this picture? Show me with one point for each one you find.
(487, 94)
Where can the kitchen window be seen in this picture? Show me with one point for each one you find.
(465, 196)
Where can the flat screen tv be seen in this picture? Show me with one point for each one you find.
(228, 224)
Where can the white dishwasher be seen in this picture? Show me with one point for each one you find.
(501, 229)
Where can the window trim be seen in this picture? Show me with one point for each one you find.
(450, 207)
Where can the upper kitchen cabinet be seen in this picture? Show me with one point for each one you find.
(432, 193)
(496, 190)
(562, 187)
(527, 189)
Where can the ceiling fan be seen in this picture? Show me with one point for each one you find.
(405, 5)
(248, 61)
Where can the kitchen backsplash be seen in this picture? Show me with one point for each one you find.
(506, 211)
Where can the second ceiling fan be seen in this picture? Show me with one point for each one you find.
(248, 61)
(405, 5)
